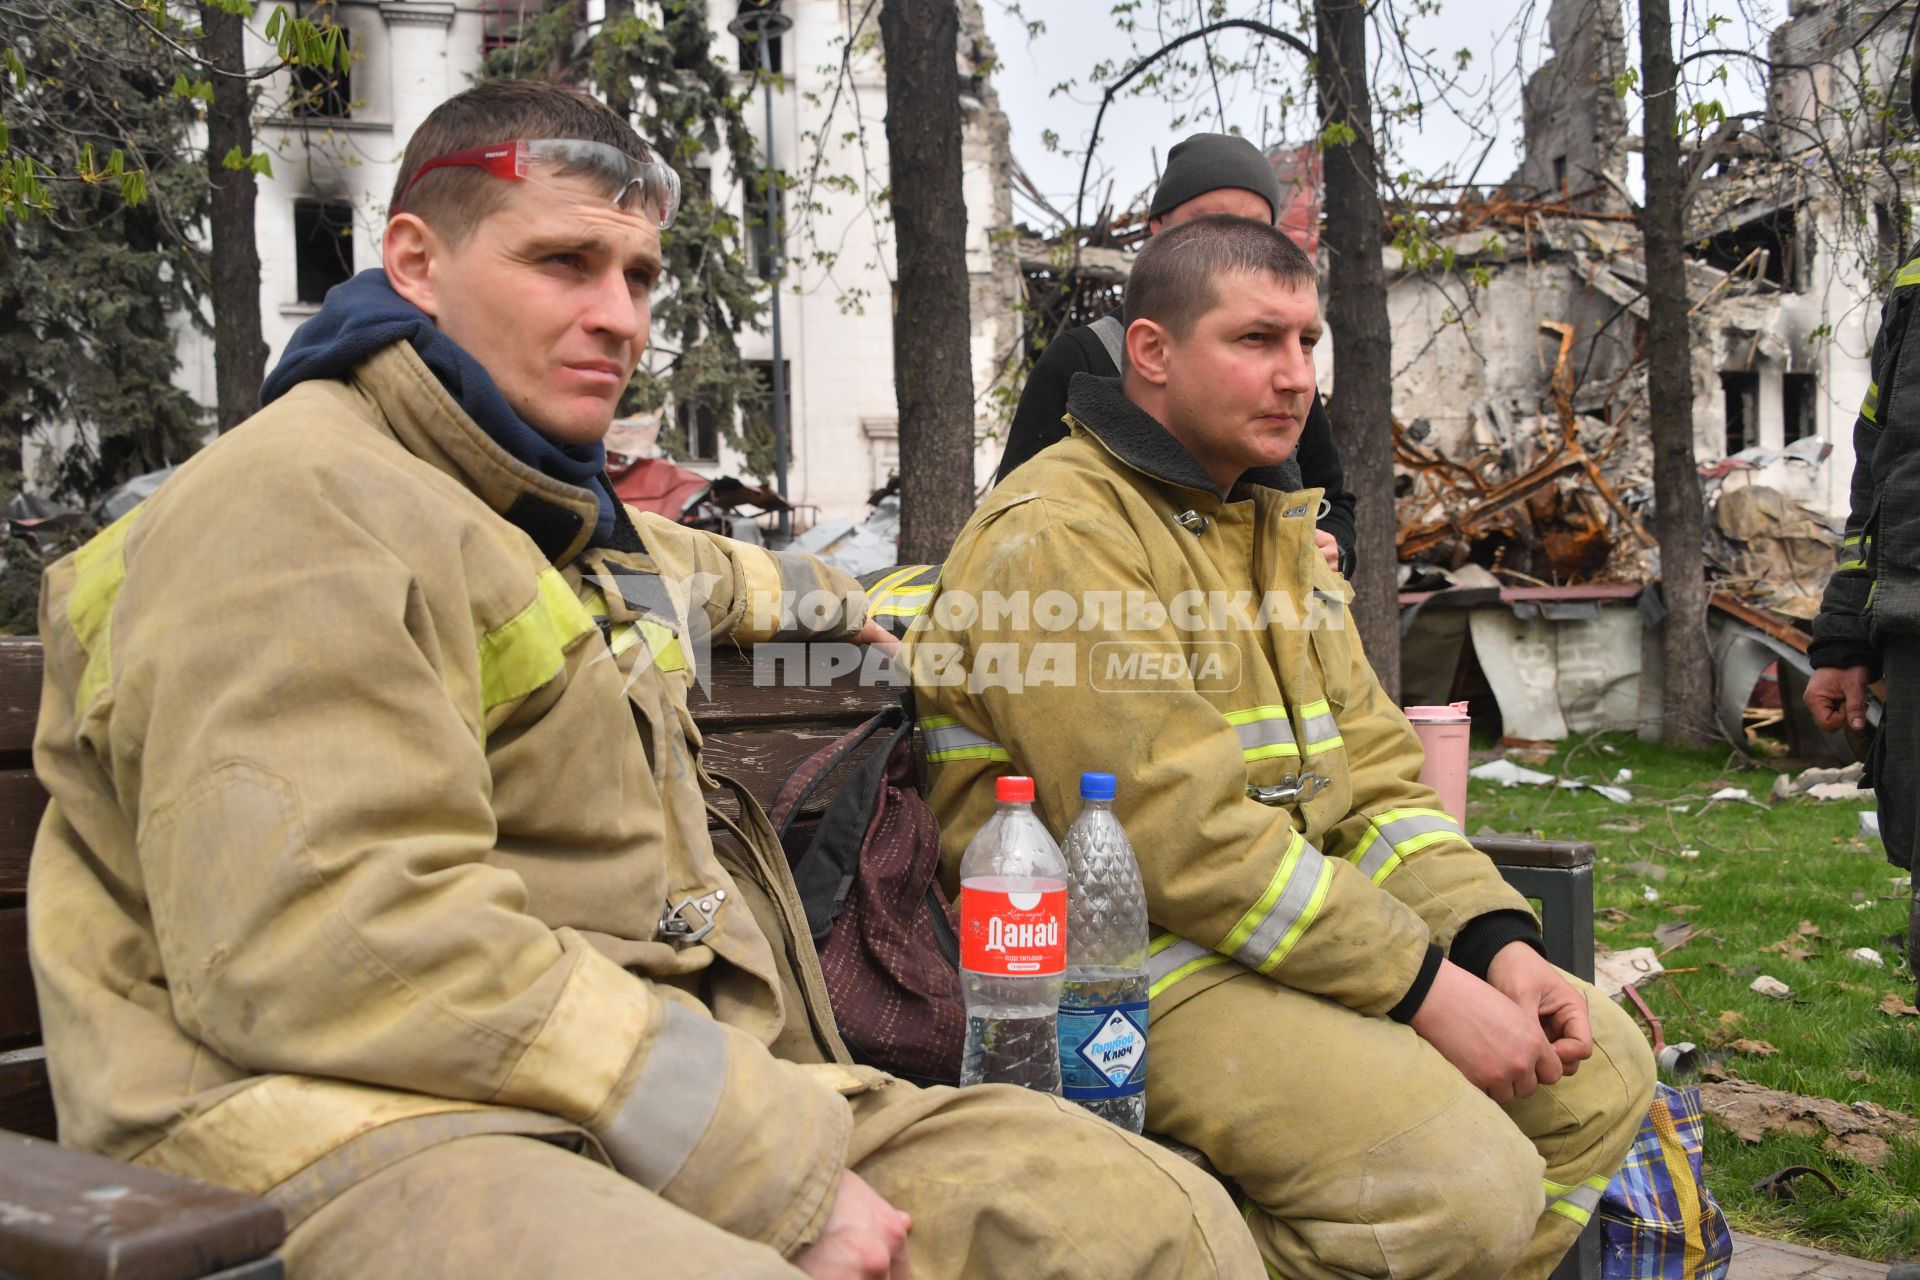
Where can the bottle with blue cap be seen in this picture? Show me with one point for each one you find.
(1103, 1000)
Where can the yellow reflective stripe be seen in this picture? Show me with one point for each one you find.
(1909, 274)
(1575, 1201)
(529, 649)
(1870, 404)
(1171, 958)
(1264, 732)
(1411, 830)
(1319, 728)
(1846, 566)
(898, 595)
(947, 740)
(99, 568)
(1323, 884)
(662, 642)
(1375, 857)
(880, 588)
(1272, 925)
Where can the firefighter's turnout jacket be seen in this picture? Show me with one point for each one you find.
(353, 847)
(1108, 608)
(1874, 592)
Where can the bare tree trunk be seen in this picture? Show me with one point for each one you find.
(1362, 404)
(932, 332)
(239, 351)
(1687, 702)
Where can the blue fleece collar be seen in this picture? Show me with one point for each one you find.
(365, 315)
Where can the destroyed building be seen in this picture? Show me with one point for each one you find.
(1790, 236)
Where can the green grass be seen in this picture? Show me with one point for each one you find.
(1756, 876)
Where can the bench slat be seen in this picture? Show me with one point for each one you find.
(19, 1011)
(26, 1099)
(19, 691)
(82, 1216)
(22, 800)
(738, 696)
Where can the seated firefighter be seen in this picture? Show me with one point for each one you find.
(1350, 1012)
(376, 878)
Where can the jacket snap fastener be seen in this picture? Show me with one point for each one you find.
(1193, 522)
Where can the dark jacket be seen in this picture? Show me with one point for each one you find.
(1037, 424)
(1874, 594)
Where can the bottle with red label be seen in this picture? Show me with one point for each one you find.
(1013, 945)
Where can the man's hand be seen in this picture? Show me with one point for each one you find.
(875, 634)
(1528, 979)
(1329, 548)
(865, 1237)
(1838, 695)
(1500, 1049)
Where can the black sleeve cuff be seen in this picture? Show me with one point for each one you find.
(1844, 651)
(1475, 946)
(1417, 993)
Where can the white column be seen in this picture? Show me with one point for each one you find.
(417, 39)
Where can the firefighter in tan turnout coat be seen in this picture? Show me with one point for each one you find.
(1350, 1013)
(376, 877)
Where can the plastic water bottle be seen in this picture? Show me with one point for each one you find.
(1103, 1003)
(1013, 933)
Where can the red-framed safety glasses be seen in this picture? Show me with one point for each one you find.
(519, 159)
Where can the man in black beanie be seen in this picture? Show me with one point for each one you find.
(1206, 173)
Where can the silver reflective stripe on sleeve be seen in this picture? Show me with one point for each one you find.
(673, 1102)
(1171, 958)
(1399, 834)
(801, 617)
(1576, 1202)
(1264, 732)
(947, 740)
(1318, 727)
(1271, 926)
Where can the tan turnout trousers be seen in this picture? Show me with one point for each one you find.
(1360, 1151)
(1000, 1182)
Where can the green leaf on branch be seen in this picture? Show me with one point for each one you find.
(1338, 133)
(198, 90)
(16, 67)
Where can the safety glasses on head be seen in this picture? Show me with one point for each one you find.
(657, 183)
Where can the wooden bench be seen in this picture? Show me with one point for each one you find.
(756, 729)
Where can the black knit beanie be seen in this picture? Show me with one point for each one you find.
(1209, 161)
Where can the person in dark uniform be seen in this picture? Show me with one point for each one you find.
(1206, 173)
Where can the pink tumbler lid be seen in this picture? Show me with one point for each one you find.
(1452, 712)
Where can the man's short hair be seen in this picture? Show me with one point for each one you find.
(1173, 280)
(454, 200)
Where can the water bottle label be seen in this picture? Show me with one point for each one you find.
(1021, 934)
(1103, 1051)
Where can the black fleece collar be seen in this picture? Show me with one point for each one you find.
(1137, 439)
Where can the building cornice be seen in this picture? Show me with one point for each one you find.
(417, 13)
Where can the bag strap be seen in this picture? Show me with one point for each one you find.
(808, 776)
(825, 870)
(1113, 337)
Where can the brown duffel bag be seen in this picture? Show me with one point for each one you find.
(868, 876)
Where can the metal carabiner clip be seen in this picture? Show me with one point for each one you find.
(687, 921)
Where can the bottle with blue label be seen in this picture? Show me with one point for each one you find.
(1103, 1001)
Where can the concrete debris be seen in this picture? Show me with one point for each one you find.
(1509, 774)
(1870, 825)
(1822, 784)
(1867, 956)
(1771, 987)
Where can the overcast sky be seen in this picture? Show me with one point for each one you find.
(1505, 37)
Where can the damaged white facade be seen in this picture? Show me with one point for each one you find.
(333, 173)
(1783, 277)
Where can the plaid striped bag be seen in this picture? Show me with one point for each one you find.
(1657, 1219)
